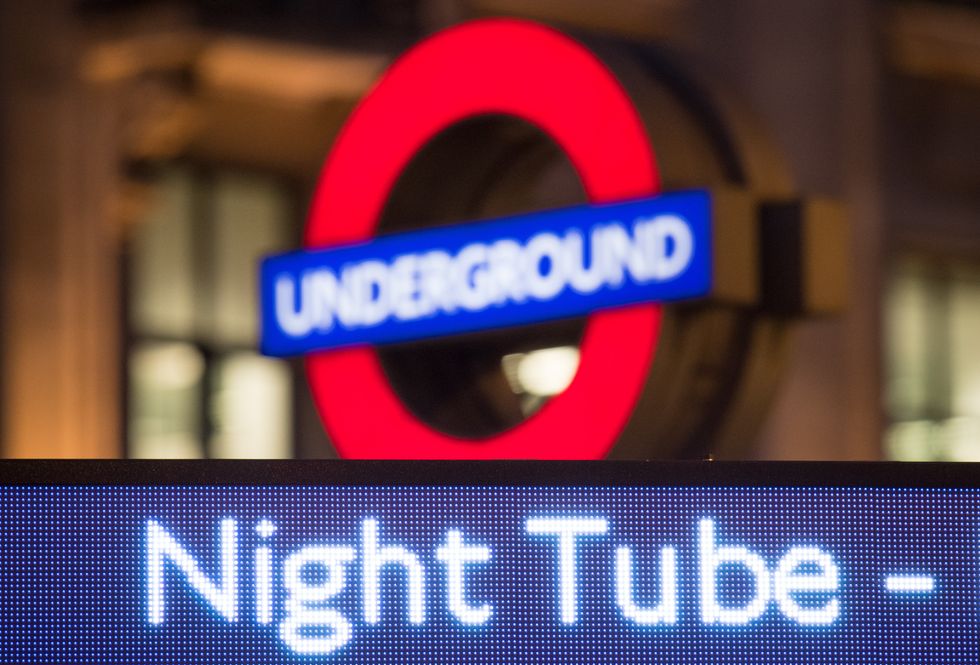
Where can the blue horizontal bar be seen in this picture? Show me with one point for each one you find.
(482, 275)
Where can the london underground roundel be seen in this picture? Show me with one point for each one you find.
(614, 259)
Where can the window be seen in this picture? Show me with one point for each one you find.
(932, 315)
(197, 386)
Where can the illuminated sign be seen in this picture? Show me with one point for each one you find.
(525, 269)
(350, 288)
(490, 564)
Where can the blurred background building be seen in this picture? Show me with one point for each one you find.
(152, 152)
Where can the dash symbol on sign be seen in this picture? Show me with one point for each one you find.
(910, 584)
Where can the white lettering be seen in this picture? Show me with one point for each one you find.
(471, 278)
(582, 280)
(295, 322)
(504, 260)
(543, 266)
(480, 275)
(826, 579)
(656, 236)
(456, 555)
(263, 574)
(735, 584)
(405, 294)
(567, 530)
(665, 611)
(375, 558)
(161, 546)
(304, 605)
(712, 558)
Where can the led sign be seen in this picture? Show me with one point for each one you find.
(490, 564)
(350, 289)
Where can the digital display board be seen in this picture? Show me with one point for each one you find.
(352, 562)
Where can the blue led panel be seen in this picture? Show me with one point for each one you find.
(640, 564)
(488, 274)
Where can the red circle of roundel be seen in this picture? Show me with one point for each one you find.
(496, 66)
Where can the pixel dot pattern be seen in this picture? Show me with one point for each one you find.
(74, 575)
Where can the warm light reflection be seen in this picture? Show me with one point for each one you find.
(544, 372)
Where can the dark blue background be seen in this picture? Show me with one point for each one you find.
(72, 569)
